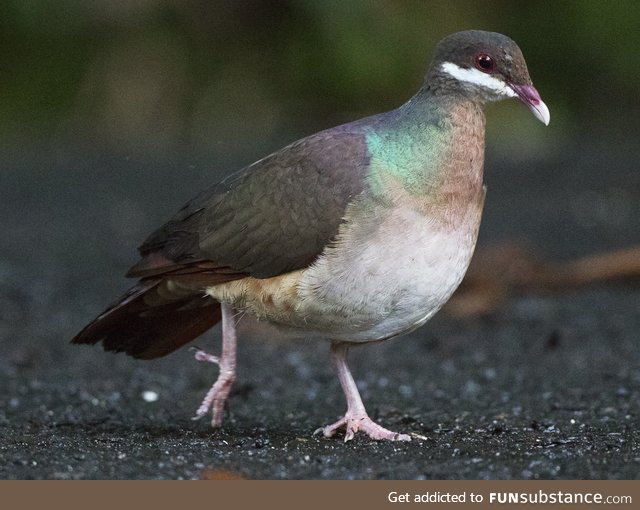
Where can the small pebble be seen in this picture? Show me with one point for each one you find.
(149, 396)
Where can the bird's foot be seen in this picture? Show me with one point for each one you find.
(217, 395)
(353, 422)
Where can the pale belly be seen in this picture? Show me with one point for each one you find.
(366, 290)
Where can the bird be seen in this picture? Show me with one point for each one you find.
(356, 234)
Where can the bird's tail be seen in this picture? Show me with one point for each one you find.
(149, 322)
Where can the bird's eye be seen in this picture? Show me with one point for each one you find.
(485, 63)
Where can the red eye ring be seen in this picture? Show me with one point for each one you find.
(485, 63)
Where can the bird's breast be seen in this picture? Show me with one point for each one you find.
(377, 286)
(387, 273)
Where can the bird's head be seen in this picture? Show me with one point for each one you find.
(486, 66)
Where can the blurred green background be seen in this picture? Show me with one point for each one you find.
(238, 78)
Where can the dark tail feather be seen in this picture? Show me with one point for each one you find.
(145, 325)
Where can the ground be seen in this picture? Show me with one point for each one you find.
(545, 386)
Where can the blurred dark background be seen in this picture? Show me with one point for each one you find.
(113, 113)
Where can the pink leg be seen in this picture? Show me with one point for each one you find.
(356, 419)
(217, 395)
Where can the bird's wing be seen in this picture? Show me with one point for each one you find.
(274, 216)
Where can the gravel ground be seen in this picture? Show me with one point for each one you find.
(547, 386)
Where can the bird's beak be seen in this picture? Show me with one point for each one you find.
(529, 96)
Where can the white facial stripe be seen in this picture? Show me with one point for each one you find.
(476, 77)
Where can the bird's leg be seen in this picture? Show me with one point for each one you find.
(217, 395)
(356, 419)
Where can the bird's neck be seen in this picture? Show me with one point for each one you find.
(431, 147)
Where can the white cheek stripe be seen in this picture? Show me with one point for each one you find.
(476, 77)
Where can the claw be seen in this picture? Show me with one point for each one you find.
(201, 355)
(361, 423)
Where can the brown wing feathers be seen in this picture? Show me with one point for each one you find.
(272, 217)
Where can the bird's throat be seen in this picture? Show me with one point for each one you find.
(433, 149)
